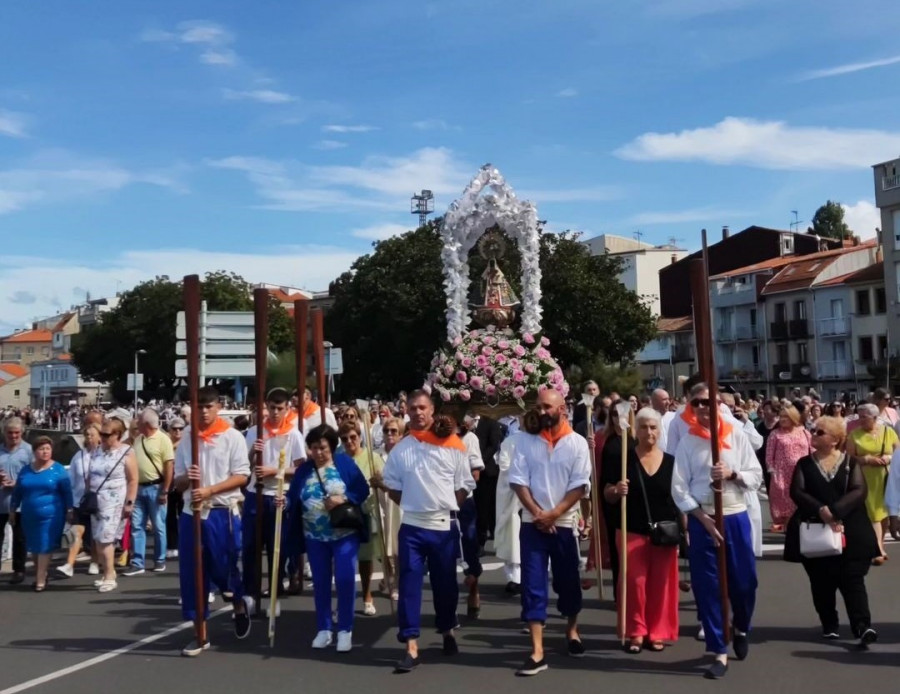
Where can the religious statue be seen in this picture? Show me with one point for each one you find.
(498, 301)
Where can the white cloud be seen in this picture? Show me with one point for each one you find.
(849, 68)
(863, 218)
(348, 128)
(379, 232)
(433, 124)
(595, 194)
(55, 175)
(12, 124)
(213, 41)
(698, 214)
(263, 96)
(567, 93)
(63, 282)
(330, 144)
(766, 145)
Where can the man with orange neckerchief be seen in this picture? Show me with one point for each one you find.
(281, 437)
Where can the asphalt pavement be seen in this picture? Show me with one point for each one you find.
(72, 639)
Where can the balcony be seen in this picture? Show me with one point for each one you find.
(746, 332)
(838, 326)
(801, 371)
(747, 372)
(799, 328)
(779, 330)
(725, 334)
(682, 353)
(835, 369)
(781, 372)
(890, 182)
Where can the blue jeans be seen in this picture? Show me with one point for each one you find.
(147, 505)
(337, 558)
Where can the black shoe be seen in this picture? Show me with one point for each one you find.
(576, 648)
(17, 578)
(716, 671)
(473, 612)
(830, 634)
(868, 637)
(408, 664)
(530, 667)
(513, 588)
(450, 645)
(741, 645)
(242, 622)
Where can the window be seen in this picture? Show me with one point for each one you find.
(29, 350)
(800, 310)
(837, 308)
(865, 349)
(882, 348)
(755, 352)
(802, 354)
(753, 319)
(16, 394)
(780, 313)
(880, 300)
(787, 244)
(862, 302)
(783, 357)
(838, 351)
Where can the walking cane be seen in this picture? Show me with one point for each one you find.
(362, 406)
(699, 274)
(623, 412)
(261, 325)
(191, 295)
(276, 552)
(588, 401)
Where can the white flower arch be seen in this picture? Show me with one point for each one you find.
(465, 222)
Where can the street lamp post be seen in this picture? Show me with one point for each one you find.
(328, 345)
(135, 384)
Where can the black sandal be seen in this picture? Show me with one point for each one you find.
(633, 648)
(656, 647)
(38, 589)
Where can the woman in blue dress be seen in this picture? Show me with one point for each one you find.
(43, 499)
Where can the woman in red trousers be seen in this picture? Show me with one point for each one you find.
(651, 605)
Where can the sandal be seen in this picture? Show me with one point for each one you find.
(38, 588)
(634, 648)
(656, 646)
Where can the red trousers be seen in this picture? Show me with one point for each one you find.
(651, 603)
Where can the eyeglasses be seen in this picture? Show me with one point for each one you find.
(390, 431)
(352, 437)
(177, 428)
(820, 432)
(105, 435)
(700, 402)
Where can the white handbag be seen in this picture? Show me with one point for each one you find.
(819, 540)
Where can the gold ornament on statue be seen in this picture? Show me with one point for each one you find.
(498, 302)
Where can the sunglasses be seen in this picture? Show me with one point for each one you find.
(105, 434)
(820, 432)
(349, 438)
(177, 428)
(390, 431)
(700, 402)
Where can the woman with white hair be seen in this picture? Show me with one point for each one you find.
(651, 605)
(872, 444)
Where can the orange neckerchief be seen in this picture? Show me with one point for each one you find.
(282, 429)
(310, 409)
(217, 427)
(428, 436)
(564, 429)
(695, 428)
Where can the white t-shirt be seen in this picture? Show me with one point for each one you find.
(315, 419)
(225, 456)
(294, 448)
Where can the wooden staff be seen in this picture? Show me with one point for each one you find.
(319, 346)
(363, 408)
(623, 412)
(276, 552)
(706, 360)
(191, 297)
(301, 338)
(261, 328)
(588, 401)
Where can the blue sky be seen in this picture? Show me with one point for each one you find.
(277, 139)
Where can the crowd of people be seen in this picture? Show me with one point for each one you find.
(418, 492)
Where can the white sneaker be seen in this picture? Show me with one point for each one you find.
(66, 570)
(94, 569)
(307, 572)
(107, 586)
(345, 641)
(368, 610)
(212, 598)
(323, 640)
(172, 554)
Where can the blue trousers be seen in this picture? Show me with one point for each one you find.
(248, 540)
(467, 517)
(342, 556)
(435, 550)
(741, 565)
(221, 540)
(146, 505)
(560, 549)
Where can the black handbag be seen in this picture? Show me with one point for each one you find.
(90, 501)
(662, 533)
(345, 516)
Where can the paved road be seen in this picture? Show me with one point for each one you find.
(71, 623)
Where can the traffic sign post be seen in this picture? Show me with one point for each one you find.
(140, 382)
(227, 344)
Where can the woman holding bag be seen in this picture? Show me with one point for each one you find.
(829, 488)
(784, 447)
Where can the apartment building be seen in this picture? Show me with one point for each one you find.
(669, 356)
(26, 346)
(887, 199)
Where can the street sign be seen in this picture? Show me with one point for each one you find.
(334, 361)
(220, 325)
(140, 382)
(220, 332)
(232, 348)
(220, 368)
(232, 318)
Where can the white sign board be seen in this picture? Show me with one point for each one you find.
(220, 332)
(219, 368)
(227, 318)
(140, 382)
(233, 348)
(334, 362)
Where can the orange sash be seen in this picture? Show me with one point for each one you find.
(217, 427)
(286, 426)
(551, 438)
(310, 409)
(697, 429)
(452, 441)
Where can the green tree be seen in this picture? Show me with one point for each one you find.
(388, 313)
(828, 222)
(145, 319)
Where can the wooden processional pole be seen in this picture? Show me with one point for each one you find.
(191, 298)
(261, 330)
(301, 344)
(699, 274)
(319, 347)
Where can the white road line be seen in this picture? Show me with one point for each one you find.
(106, 656)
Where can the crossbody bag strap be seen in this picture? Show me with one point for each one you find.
(113, 469)
(319, 477)
(149, 457)
(640, 472)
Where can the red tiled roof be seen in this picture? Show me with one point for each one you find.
(66, 317)
(675, 325)
(873, 273)
(780, 262)
(804, 270)
(28, 336)
(64, 357)
(14, 370)
(283, 297)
